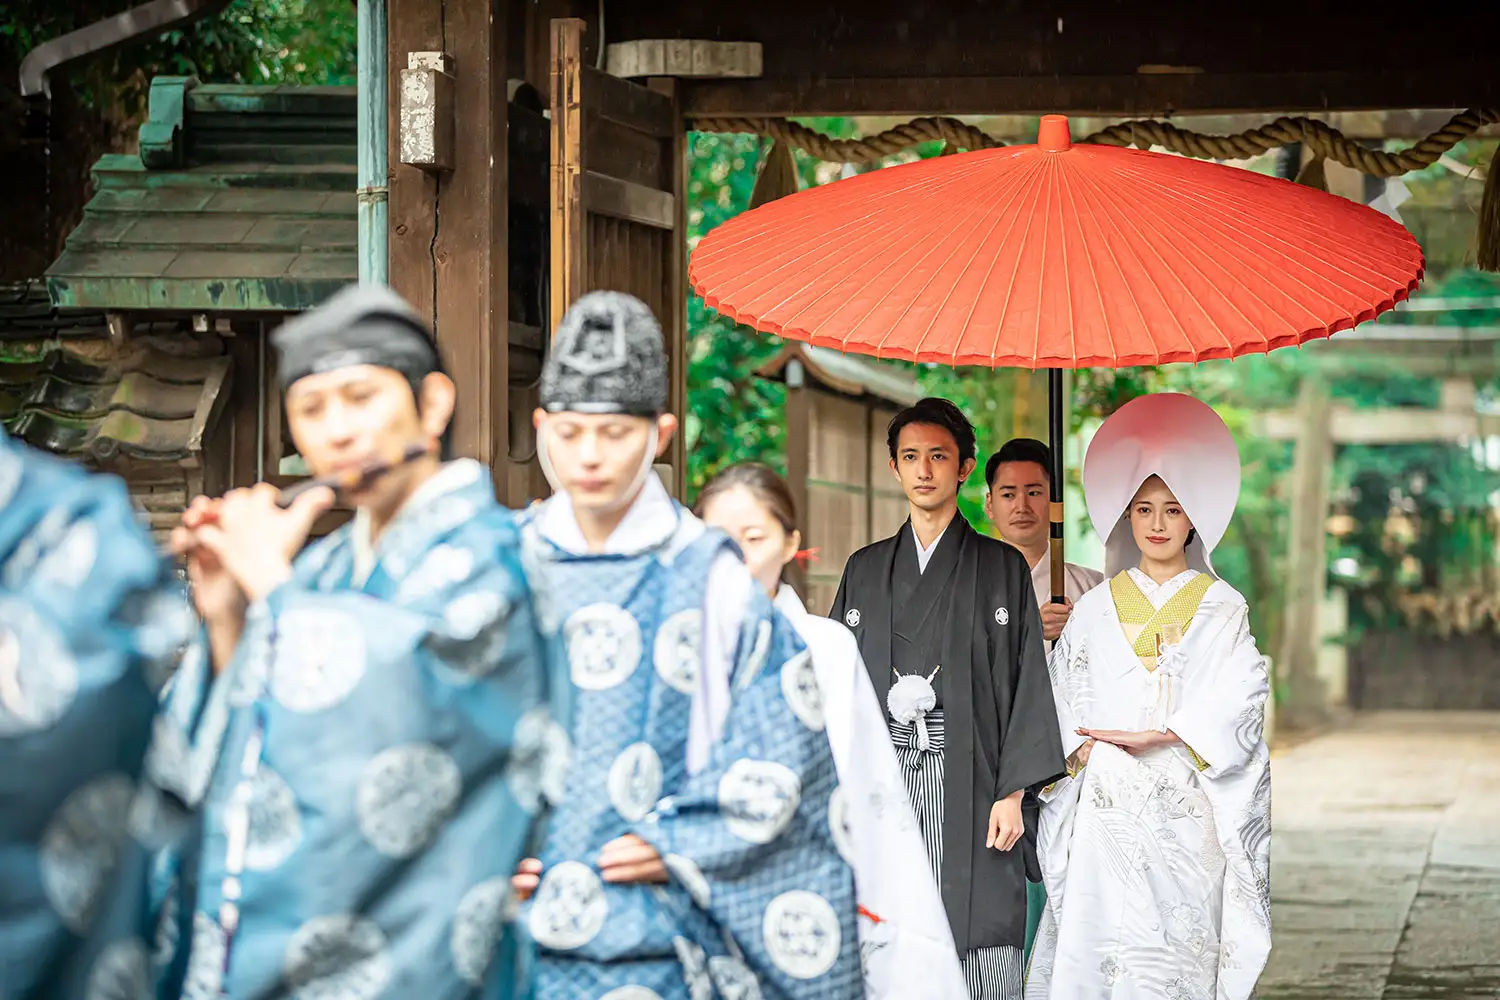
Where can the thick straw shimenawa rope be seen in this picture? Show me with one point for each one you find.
(1322, 139)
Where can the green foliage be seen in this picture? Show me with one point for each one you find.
(732, 415)
(251, 41)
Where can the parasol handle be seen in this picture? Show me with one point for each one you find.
(1055, 481)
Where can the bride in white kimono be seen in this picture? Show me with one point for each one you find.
(1156, 850)
(905, 943)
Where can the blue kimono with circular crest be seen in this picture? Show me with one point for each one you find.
(90, 622)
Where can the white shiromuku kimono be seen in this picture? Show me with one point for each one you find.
(1157, 866)
(906, 945)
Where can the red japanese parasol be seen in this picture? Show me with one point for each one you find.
(1057, 256)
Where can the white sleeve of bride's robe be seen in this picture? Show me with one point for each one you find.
(1066, 673)
(1219, 708)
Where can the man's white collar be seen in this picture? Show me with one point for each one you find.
(650, 521)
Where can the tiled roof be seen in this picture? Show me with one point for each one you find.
(241, 198)
(848, 374)
(143, 406)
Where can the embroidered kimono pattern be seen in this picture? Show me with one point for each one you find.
(90, 623)
(760, 902)
(1157, 865)
(365, 773)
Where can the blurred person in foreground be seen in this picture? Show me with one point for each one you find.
(90, 618)
(693, 854)
(1156, 848)
(355, 750)
(948, 628)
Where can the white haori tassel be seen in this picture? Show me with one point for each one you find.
(910, 699)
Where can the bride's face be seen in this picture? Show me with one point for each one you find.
(1158, 522)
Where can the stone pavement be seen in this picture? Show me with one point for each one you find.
(1385, 861)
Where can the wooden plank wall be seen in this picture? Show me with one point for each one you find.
(618, 159)
(447, 239)
(888, 506)
(838, 491)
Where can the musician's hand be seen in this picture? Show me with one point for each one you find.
(256, 540)
(527, 877)
(216, 593)
(631, 859)
(1006, 826)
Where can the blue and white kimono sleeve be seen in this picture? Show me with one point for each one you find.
(90, 619)
(392, 743)
(757, 835)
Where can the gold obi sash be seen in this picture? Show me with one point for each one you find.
(1147, 628)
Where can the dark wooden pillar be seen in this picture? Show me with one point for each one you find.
(448, 231)
(798, 466)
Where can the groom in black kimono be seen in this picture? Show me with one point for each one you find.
(949, 630)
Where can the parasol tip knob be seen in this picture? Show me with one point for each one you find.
(1053, 135)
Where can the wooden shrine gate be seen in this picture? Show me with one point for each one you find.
(619, 160)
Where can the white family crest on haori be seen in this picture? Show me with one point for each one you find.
(570, 907)
(802, 934)
(758, 799)
(1002, 616)
(1180, 439)
(635, 781)
(851, 618)
(477, 925)
(604, 645)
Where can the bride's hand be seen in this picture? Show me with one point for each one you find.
(1130, 742)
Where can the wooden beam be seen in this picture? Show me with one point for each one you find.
(617, 100)
(1132, 95)
(411, 26)
(568, 215)
(1396, 425)
(611, 196)
(448, 233)
(798, 446)
(684, 58)
(674, 317)
(246, 402)
(538, 42)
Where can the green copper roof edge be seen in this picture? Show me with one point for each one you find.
(161, 135)
(195, 294)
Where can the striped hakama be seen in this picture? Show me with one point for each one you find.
(992, 973)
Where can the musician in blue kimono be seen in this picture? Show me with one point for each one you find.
(363, 737)
(696, 852)
(90, 618)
